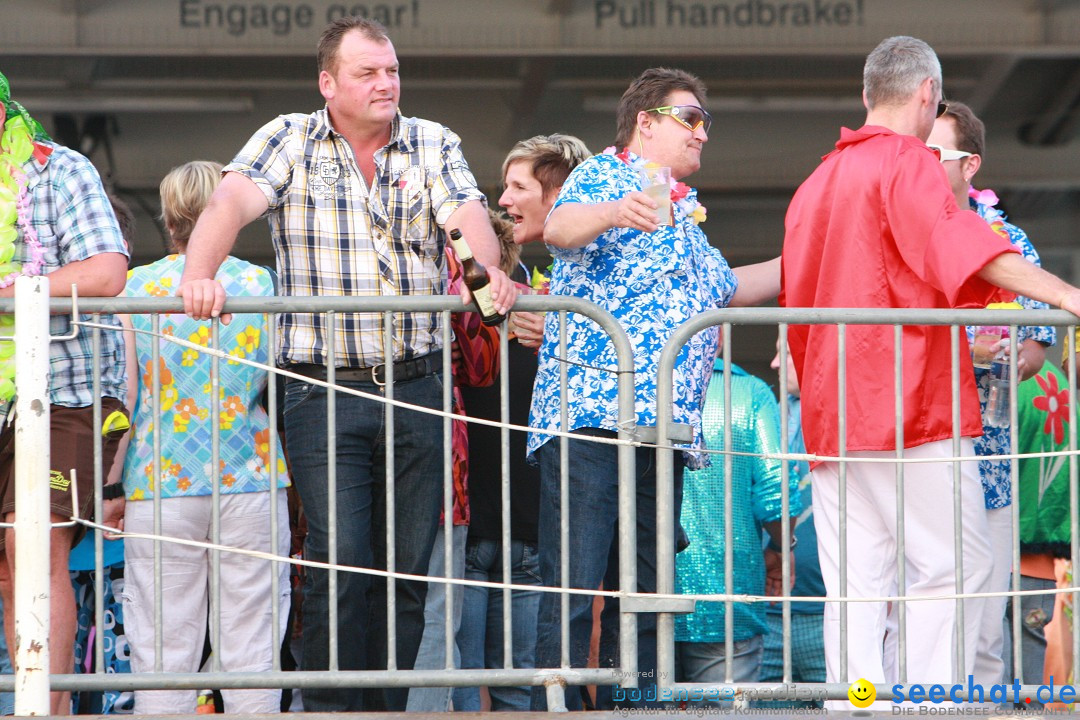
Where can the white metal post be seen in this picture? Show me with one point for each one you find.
(32, 496)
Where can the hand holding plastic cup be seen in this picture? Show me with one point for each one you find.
(656, 183)
(987, 344)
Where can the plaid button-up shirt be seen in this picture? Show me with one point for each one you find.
(74, 221)
(334, 235)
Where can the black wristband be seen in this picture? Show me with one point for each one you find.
(112, 492)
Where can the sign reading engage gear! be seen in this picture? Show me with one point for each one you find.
(280, 18)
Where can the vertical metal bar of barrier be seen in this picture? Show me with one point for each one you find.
(155, 386)
(391, 494)
(215, 495)
(958, 513)
(1074, 494)
(785, 502)
(841, 424)
(331, 486)
(448, 495)
(1014, 508)
(564, 498)
(901, 527)
(729, 534)
(628, 539)
(32, 466)
(786, 526)
(269, 323)
(99, 481)
(504, 494)
(665, 512)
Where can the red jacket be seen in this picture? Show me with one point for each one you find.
(877, 226)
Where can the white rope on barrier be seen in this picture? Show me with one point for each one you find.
(739, 598)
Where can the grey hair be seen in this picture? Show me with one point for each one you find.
(896, 67)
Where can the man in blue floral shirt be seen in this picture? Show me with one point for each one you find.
(611, 249)
(961, 139)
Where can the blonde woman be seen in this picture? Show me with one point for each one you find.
(183, 411)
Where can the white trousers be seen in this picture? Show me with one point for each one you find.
(989, 666)
(247, 634)
(930, 565)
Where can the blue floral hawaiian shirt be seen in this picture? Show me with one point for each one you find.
(997, 474)
(652, 284)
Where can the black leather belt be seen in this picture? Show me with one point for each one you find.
(403, 370)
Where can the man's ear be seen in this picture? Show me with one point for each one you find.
(327, 85)
(971, 166)
(928, 92)
(644, 123)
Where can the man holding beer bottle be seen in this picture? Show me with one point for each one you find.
(358, 197)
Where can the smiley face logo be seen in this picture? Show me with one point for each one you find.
(861, 693)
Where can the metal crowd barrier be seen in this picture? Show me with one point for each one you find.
(842, 318)
(32, 682)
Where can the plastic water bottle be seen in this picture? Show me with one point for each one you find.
(997, 395)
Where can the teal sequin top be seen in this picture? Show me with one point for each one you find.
(699, 569)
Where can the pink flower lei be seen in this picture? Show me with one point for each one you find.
(993, 215)
(985, 197)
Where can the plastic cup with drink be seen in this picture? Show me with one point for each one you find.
(987, 344)
(656, 183)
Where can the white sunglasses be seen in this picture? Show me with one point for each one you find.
(946, 155)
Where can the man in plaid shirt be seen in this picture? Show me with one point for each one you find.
(357, 197)
(63, 208)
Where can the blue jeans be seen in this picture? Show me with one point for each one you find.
(432, 652)
(7, 700)
(1037, 611)
(593, 550)
(481, 635)
(361, 527)
(704, 663)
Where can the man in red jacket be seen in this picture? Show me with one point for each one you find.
(877, 226)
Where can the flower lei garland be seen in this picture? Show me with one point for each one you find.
(996, 219)
(18, 143)
(540, 282)
(989, 199)
(680, 191)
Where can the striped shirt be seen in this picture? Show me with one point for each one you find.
(333, 235)
(74, 221)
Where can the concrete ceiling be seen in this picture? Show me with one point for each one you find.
(143, 86)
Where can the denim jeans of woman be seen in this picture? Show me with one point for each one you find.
(1038, 610)
(432, 652)
(481, 635)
